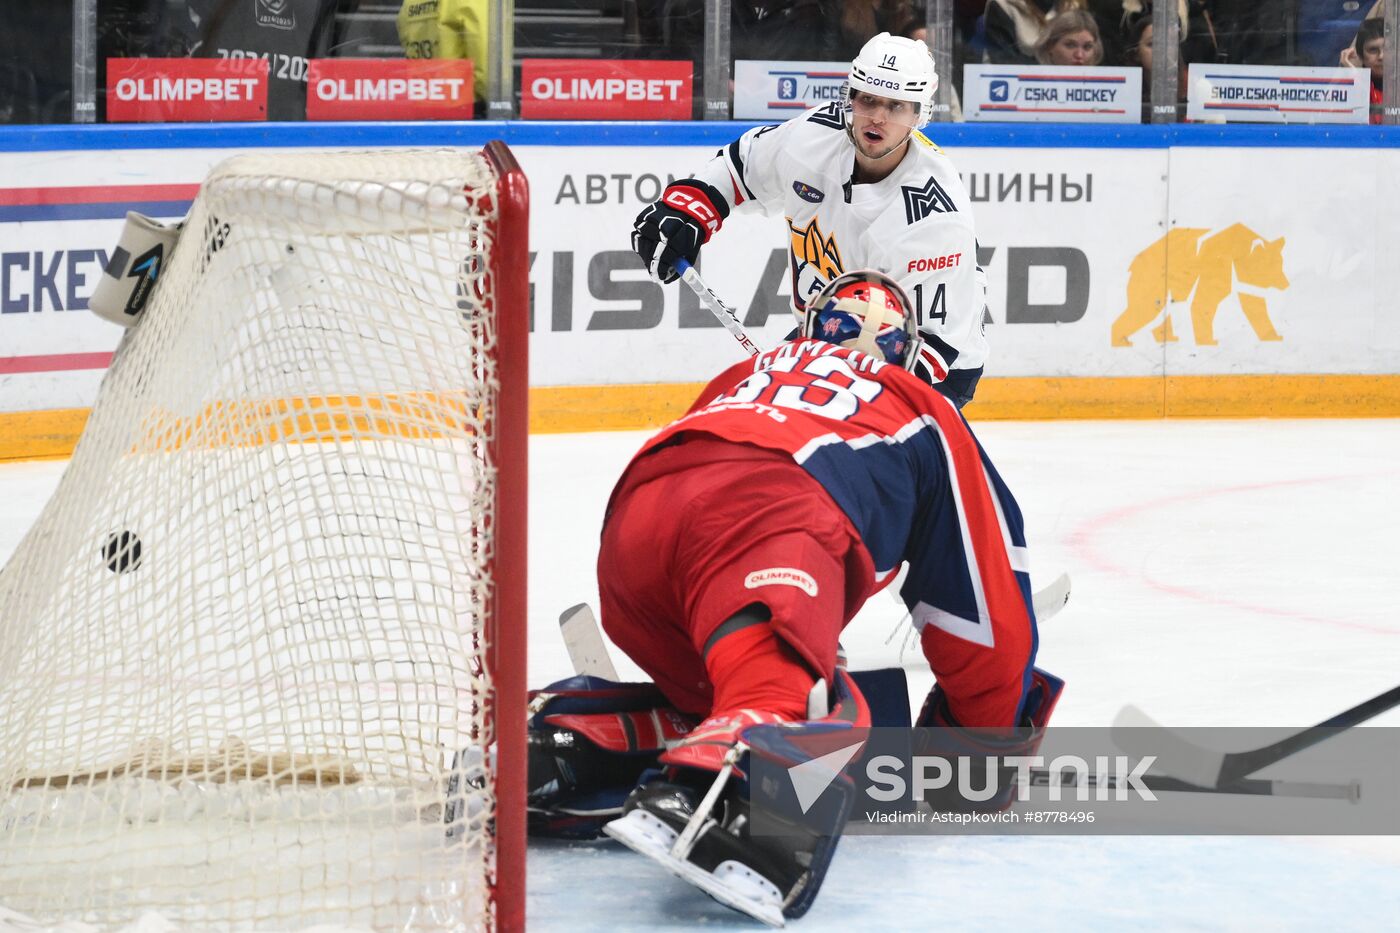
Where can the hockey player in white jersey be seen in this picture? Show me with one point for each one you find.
(860, 187)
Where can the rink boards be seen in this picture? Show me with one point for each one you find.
(1134, 271)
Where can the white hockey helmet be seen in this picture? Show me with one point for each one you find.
(866, 310)
(897, 68)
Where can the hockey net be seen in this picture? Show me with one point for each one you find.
(261, 656)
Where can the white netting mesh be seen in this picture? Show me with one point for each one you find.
(243, 643)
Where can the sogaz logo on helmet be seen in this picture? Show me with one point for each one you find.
(876, 81)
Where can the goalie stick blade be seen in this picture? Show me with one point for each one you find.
(734, 885)
(584, 641)
(1052, 598)
(1142, 737)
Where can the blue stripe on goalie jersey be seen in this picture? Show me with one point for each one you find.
(900, 501)
(877, 488)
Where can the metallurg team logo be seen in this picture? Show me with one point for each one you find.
(1206, 269)
(811, 247)
(930, 198)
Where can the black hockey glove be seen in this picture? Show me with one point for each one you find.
(689, 212)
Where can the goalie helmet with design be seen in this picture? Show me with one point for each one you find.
(867, 310)
(896, 68)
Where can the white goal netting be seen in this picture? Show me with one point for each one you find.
(244, 644)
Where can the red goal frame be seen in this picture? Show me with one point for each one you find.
(507, 621)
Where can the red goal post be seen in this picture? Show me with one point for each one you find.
(509, 615)
(262, 654)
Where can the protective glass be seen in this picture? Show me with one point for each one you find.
(836, 326)
(900, 112)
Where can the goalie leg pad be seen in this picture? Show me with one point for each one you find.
(701, 827)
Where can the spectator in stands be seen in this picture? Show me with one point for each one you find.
(1014, 27)
(1112, 17)
(860, 21)
(1197, 31)
(1368, 51)
(287, 35)
(1199, 48)
(1251, 32)
(36, 63)
(776, 30)
(449, 29)
(1139, 54)
(1072, 38)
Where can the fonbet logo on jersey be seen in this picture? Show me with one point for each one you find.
(782, 576)
(1206, 269)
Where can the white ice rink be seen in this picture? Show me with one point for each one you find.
(1225, 573)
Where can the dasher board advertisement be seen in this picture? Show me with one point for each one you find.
(389, 89)
(1052, 94)
(1278, 94)
(161, 90)
(621, 89)
(766, 90)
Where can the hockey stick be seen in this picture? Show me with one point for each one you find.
(589, 652)
(584, 640)
(725, 314)
(1047, 602)
(1161, 783)
(1181, 758)
(1051, 599)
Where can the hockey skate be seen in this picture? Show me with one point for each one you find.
(751, 845)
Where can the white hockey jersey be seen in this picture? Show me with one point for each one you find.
(914, 225)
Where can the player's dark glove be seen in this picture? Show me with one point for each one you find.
(688, 213)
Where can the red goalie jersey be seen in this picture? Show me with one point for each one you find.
(909, 483)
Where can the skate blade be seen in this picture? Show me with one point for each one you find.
(732, 884)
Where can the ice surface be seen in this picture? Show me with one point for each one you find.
(1225, 573)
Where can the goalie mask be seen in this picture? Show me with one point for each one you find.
(897, 69)
(866, 310)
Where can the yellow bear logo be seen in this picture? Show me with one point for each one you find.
(1211, 266)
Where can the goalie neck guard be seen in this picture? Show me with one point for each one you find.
(895, 68)
(866, 310)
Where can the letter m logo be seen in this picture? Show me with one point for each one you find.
(930, 199)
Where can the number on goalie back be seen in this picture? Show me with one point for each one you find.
(820, 396)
